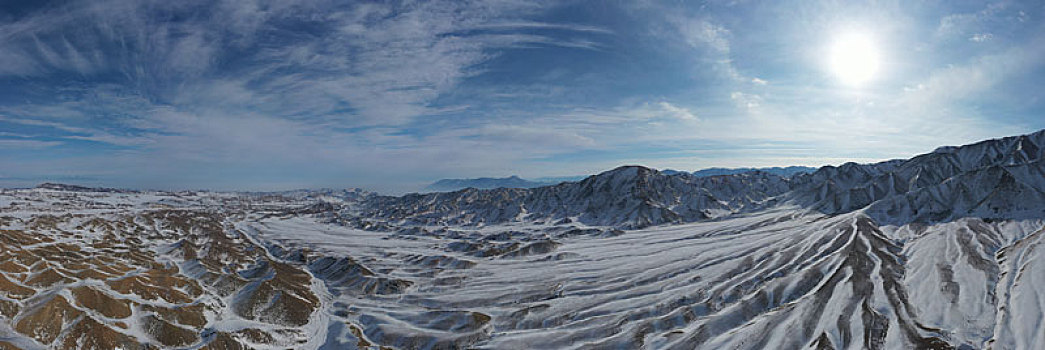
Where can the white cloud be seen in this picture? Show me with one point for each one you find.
(49, 124)
(746, 101)
(981, 37)
(27, 144)
(520, 24)
(677, 112)
(16, 63)
(977, 25)
(980, 74)
(702, 33)
(711, 41)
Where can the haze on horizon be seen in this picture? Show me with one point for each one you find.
(264, 95)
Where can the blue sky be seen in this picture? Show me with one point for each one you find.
(389, 95)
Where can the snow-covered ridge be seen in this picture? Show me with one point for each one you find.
(629, 196)
(995, 179)
(976, 180)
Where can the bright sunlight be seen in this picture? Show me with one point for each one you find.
(854, 58)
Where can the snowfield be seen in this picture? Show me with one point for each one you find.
(941, 251)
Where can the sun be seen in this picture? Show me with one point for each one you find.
(854, 58)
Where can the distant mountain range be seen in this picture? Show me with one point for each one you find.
(779, 171)
(486, 183)
(76, 188)
(483, 183)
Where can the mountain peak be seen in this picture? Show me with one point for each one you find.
(629, 170)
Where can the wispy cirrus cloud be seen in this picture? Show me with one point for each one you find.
(382, 62)
(30, 144)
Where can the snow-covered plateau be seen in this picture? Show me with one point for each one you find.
(940, 251)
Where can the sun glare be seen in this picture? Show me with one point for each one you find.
(854, 58)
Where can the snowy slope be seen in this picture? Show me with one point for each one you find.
(940, 251)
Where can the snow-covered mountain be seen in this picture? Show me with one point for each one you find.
(940, 251)
(629, 196)
(994, 179)
(974, 180)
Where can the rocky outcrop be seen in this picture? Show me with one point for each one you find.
(141, 280)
